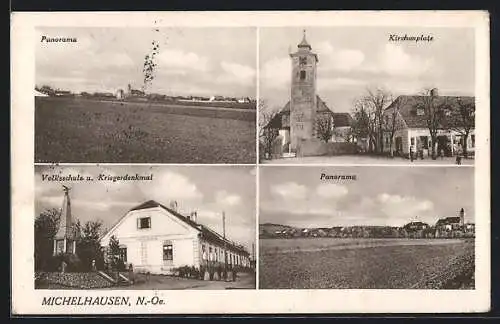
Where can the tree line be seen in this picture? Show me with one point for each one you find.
(88, 247)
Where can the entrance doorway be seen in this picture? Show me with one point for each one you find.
(444, 143)
(399, 146)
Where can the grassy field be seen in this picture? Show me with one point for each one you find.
(82, 130)
(366, 264)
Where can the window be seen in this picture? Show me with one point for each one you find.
(412, 141)
(144, 222)
(168, 251)
(420, 111)
(425, 142)
(302, 60)
(302, 75)
(59, 246)
(123, 254)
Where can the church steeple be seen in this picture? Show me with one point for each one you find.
(304, 44)
(303, 99)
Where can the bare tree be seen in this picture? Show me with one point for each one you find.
(364, 123)
(325, 128)
(150, 65)
(392, 120)
(377, 100)
(434, 113)
(463, 120)
(267, 134)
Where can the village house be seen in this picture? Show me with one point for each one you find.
(417, 229)
(157, 239)
(454, 226)
(412, 128)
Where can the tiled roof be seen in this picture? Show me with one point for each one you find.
(408, 109)
(340, 119)
(448, 220)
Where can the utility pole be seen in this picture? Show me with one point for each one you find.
(224, 236)
(253, 255)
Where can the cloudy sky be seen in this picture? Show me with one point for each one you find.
(191, 61)
(380, 195)
(207, 189)
(354, 58)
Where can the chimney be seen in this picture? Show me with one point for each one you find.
(194, 216)
(434, 92)
(173, 205)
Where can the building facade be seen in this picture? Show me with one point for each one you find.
(303, 99)
(157, 239)
(412, 131)
(297, 121)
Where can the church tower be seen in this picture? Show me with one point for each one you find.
(65, 240)
(303, 100)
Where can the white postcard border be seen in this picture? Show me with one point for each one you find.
(27, 300)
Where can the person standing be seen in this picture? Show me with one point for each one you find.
(459, 155)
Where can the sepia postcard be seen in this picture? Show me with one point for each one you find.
(250, 162)
(366, 228)
(145, 95)
(367, 95)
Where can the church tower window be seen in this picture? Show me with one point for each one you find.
(302, 75)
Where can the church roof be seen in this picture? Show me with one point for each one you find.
(448, 221)
(320, 106)
(304, 42)
(340, 119)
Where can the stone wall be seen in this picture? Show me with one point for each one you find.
(315, 147)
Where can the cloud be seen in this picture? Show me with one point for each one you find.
(173, 186)
(239, 73)
(393, 60)
(403, 207)
(339, 59)
(328, 83)
(331, 190)
(222, 197)
(289, 190)
(275, 73)
(172, 60)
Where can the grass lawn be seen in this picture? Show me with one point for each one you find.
(81, 130)
(364, 264)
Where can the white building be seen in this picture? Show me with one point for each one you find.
(157, 239)
(412, 130)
